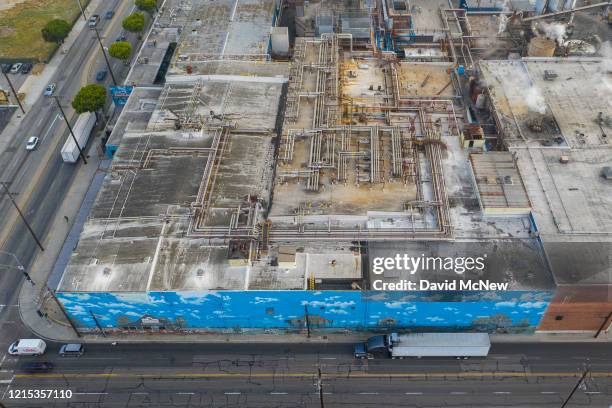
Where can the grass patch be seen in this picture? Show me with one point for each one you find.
(20, 36)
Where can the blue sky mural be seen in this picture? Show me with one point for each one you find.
(486, 311)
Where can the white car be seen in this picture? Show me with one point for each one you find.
(16, 68)
(32, 143)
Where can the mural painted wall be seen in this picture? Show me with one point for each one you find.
(510, 311)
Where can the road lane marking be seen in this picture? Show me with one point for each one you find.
(413, 393)
(458, 393)
(278, 393)
(592, 392)
(548, 392)
(185, 393)
(467, 374)
(231, 393)
(42, 139)
(368, 393)
(502, 392)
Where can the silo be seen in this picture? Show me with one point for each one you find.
(541, 47)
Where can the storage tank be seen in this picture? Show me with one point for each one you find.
(541, 47)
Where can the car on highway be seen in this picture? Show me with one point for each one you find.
(100, 75)
(26, 67)
(27, 347)
(32, 143)
(50, 89)
(109, 14)
(93, 21)
(72, 350)
(37, 367)
(16, 67)
(6, 68)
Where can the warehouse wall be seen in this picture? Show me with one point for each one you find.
(510, 311)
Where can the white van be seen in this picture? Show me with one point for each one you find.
(28, 347)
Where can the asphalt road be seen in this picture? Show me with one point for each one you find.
(273, 375)
(40, 178)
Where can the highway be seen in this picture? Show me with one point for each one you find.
(39, 179)
(284, 375)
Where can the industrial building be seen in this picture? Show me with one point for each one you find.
(260, 170)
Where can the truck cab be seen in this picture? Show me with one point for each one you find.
(374, 347)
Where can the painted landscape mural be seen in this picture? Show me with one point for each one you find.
(512, 311)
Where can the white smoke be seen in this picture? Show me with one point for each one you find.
(503, 18)
(534, 100)
(554, 31)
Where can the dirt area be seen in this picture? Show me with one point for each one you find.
(424, 80)
(21, 22)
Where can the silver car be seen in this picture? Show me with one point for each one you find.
(15, 69)
(32, 143)
(50, 89)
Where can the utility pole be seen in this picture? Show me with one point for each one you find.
(63, 311)
(82, 10)
(110, 70)
(14, 92)
(307, 321)
(27, 224)
(320, 386)
(19, 267)
(584, 374)
(97, 323)
(59, 105)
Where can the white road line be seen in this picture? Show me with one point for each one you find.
(5, 391)
(234, 11)
(413, 393)
(50, 127)
(592, 392)
(368, 393)
(548, 392)
(502, 392)
(6, 381)
(231, 393)
(140, 393)
(185, 393)
(328, 358)
(458, 393)
(278, 393)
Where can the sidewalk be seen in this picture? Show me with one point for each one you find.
(60, 240)
(34, 85)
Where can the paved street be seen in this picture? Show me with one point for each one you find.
(267, 375)
(40, 179)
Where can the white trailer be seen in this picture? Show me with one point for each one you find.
(28, 347)
(395, 345)
(82, 130)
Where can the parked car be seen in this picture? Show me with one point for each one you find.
(122, 37)
(72, 350)
(109, 14)
(6, 68)
(26, 68)
(100, 75)
(16, 67)
(50, 89)
(32, 143)
(93, 21)
(37, 367)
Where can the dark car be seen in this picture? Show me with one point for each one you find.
(72, 350)
(122, 37)
(109, 14)
(100, 75)
(37, 367)
(6, 68)
(26, 68)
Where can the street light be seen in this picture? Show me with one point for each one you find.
(27, 224)
(19, 267)
(110, 70)
(82, 10)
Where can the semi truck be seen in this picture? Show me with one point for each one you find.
(82, 130)
(458, 345)
(28, 347)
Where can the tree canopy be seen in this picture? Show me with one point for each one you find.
(121, 50)
(56, 30)
(134, 23)
(146, 5)
(90, 98)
